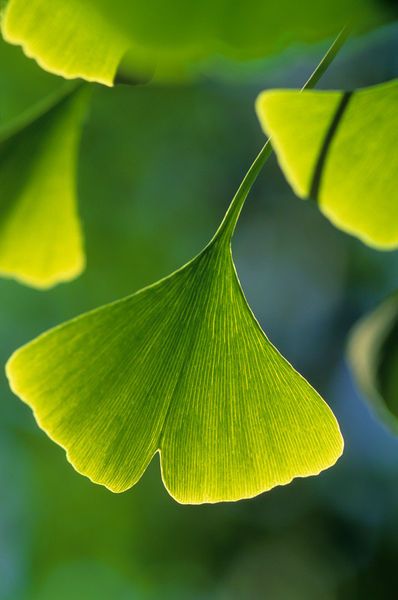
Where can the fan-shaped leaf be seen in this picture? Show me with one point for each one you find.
(183, 368)
(88, 38)
(341, 149)
(373, 354)
(40, 238)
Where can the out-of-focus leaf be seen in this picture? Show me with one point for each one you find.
(341, 149)
(24, 87)
(88, 38)
(373, 355)
(40, 237)
(181, 368)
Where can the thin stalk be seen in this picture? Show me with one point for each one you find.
(228, 224)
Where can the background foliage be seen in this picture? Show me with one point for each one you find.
(333, 537)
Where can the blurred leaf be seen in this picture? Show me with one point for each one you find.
(340, 149)
(181, 368)
(88, 38)
(373, 354)
(24, 86)
(75, 39)
(40, 238)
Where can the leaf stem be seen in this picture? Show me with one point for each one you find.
(228, 224)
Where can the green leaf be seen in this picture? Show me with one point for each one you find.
(181, 368)
(88, 38)
(340, 149)
(373, 356)
(40, 237)
(73, 39)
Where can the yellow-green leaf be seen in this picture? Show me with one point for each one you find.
(341, 149)
(88, 38)
(373, 355)
(40, 237)
(74, 38)
(181, 367)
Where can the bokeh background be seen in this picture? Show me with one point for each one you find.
(158, 167)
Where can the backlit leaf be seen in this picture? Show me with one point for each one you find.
(88, 38)
(181, 368)
(373, 354)
(341, 149)
(40, 237)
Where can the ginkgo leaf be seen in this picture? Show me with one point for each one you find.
(40, 237)
(373, 356)
(78, 35)
(183, 368)
(341, 149)
(88, 38)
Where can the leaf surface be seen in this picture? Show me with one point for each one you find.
(181, 367)
(341, 149)
(40, 237)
